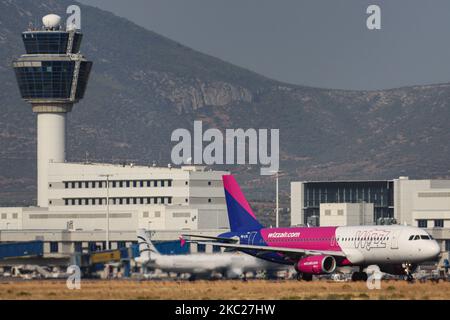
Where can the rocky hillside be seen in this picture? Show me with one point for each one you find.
(143, 86)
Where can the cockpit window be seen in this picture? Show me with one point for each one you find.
(425, 237)
(416, 237)
(412, 237)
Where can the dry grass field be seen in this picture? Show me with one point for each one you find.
(257, 289)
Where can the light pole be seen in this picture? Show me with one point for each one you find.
(277, 209)
(107, 208)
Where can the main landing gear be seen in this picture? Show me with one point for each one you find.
(359, 276)
(304, 276)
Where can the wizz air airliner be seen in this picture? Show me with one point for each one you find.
(396, 249)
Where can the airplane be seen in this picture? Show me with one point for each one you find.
(204, 265)
(396, 249)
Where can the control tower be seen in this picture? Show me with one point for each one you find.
(52, 76)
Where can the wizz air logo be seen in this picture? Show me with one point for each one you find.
(371, 239)
(284, 235)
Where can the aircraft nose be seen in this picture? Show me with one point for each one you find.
(434, 250)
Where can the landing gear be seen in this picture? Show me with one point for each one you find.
(307, 276)
(192, 277)
(359, 276)
(304, 276)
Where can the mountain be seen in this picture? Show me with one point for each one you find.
(143, 86)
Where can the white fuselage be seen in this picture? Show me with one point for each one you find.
(208, 263)
(386, 244)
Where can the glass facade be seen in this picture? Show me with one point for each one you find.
(49, 71)
(52, 79)
(83, 77)
(50, 42)
(77, 42)
(380, 193)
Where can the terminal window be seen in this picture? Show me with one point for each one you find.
(53, 247)
(92, 246)
(422, 223)
(439, 223)
(78, 246)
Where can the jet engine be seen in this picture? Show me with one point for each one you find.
(316, 265)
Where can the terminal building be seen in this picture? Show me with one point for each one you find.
(95, 206)
(419, 203)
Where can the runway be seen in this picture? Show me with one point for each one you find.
(226, 289)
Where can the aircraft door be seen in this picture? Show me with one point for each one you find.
(394, 239)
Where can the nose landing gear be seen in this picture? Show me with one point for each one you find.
(407, 269)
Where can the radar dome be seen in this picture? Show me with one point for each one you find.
(51, 21)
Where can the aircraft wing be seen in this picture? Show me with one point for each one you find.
(226, 240)
(262, 249)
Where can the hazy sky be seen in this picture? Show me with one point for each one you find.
(323, 43)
